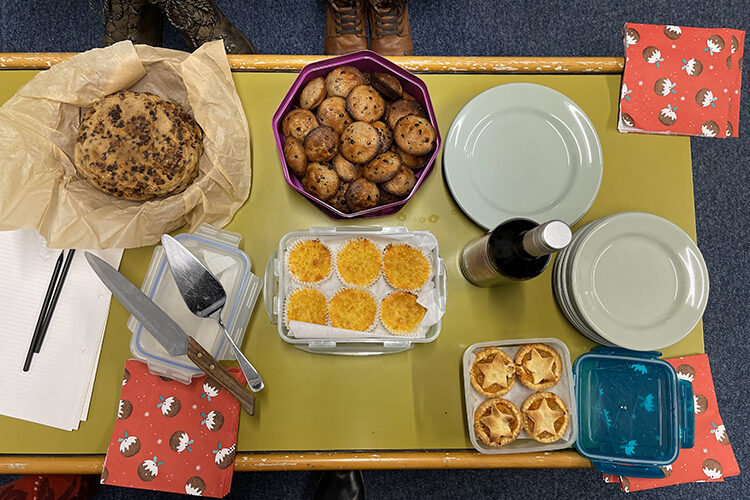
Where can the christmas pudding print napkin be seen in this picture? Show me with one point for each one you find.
(711, 458)
(680, 80)
(173, 437)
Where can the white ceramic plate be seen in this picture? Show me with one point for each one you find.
(639, 281)
(522, 150)
(573, 315)
(560, 280)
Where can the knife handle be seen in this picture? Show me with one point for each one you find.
(220, 375)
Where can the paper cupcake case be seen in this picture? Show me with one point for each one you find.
(411, 290)
(518, 394)
(375, 323)
(338, 273)
(411, 333)
(296, 289)
(295, 278)
(279, 284)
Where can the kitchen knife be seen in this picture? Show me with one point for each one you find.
(168, 333)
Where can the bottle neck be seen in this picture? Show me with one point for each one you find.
(546, 239)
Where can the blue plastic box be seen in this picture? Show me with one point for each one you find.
(634, 415)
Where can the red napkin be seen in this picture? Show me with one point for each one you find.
(173, 437)
(712, 458)
(680, 80)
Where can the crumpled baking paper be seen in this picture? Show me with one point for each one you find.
(39, 187)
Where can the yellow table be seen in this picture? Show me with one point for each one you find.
(316, 406)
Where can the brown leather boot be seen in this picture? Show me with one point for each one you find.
(134, 20)
(389, 28)
(200, 21)
(345, 26)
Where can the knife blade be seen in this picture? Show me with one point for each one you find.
(166, 331)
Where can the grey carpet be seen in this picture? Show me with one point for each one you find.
(721, 171)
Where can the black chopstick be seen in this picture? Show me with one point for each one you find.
(43, 311)
(48, 305)
(55, 297)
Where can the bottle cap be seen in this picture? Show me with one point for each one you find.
(547, 238)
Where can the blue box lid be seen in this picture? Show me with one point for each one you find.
(633, 411)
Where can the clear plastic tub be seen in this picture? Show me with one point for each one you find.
(218, 251)
(518, 394)
(277, 282)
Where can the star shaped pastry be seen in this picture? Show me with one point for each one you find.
(495, 372)
(539, 367)
(498, 423)
(544, 418)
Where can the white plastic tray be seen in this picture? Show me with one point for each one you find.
(518, 394)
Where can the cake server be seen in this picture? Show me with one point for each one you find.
(204, 296)
(168, 333)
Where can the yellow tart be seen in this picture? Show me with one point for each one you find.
(352, 309)
(405, 267)
(400, 313)
(309, 261)
(359, 262)
(306, 305)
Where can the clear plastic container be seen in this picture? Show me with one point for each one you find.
(635, 414)
(277, 279)
(218, 251)
(518, 394)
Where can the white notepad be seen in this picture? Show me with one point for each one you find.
(57, 389)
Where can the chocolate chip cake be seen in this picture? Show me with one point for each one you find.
(137, 146)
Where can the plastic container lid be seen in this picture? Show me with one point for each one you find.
(218, 251)
(634, 415)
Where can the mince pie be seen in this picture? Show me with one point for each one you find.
(545, 417)
(493, 372)
(497, 422)
(538, 366)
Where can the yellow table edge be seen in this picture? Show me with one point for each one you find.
(92, 464)
(437, 64)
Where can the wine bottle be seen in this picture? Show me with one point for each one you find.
(516, 250)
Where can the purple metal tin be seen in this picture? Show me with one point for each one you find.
(364, 60)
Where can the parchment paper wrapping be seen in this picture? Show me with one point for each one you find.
(39, 187)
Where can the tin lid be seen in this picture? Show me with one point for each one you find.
(218, 251)
(631, 411)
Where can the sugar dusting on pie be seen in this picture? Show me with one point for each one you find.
(352, 309)
(405, 267)
(538, 366)
(306, 305)
(400, 313)
(546, 417)
(493, 372)
(497, 422)
(309, 261)
(359, 262)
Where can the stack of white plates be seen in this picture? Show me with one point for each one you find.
(632, 280)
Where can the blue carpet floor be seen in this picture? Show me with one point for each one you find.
(721, 171)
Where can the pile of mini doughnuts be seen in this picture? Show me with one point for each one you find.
(356, 139)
